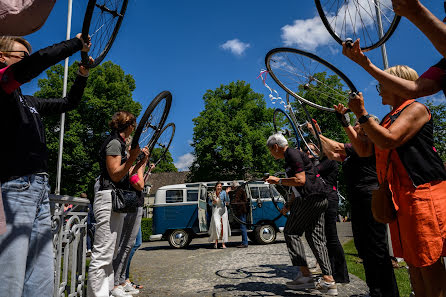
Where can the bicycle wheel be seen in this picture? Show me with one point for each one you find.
(161, 143)
(101, 21)
(280, 195)
(309, 78)
(374, 21)
(152, 121)
(284, 124)
(303, 118)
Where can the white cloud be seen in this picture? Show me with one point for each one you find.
(306, 34)
(436, 99)
(235, 46)
(184, 162)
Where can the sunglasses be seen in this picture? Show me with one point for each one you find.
(25, 54)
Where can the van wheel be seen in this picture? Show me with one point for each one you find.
(265, 234)
(179, 238)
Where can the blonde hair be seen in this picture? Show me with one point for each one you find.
(403, 71)
(7, 43)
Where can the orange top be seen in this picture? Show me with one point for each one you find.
(419, 232)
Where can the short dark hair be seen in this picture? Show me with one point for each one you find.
(121, 120)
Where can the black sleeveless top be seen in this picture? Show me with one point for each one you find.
(105, 178)
(419, 156)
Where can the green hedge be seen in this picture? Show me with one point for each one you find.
(146, 229)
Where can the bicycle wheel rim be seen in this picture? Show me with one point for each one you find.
(304, 75)
(282, 124)
(162, 141)
(107, 16)
(306, 136)
(153, 120)
(363, 12)
(275, 199)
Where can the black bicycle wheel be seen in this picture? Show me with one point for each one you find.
(309, 78)
(161, 143)
(102, 21)
(284, 124)
(373, 21)
(280, 194)
(152, 121)
(303, 118)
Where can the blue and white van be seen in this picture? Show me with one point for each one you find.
(181, 212)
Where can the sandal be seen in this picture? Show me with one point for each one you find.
(137, 286)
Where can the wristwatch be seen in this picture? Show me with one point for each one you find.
(364, 119)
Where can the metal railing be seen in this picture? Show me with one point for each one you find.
(70, 244)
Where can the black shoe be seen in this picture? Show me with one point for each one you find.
(242, 246)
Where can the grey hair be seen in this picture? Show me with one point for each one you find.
(235, 184)
(278, 139)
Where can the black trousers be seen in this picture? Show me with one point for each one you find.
(334, 247)
(371, 242)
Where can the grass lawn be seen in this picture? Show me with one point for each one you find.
(355, 267)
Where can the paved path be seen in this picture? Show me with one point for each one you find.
(199, 270)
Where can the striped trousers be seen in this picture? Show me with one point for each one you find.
(307, 216)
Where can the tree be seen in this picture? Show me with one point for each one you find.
(439, 118)
(108, 90)
(166, 164)
(230, 135)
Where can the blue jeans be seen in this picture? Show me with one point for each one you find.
(138, 243)
(242, 217)
(26, 249)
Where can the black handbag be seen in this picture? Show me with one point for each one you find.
(124, 201)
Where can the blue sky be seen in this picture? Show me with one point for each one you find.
(188, 47)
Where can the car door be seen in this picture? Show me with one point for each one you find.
(202, 206)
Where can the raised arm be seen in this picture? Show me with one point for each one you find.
(137, 171)
(420, 16)
(402, 87)
(403, 129)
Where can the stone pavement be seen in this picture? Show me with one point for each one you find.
(200, 270)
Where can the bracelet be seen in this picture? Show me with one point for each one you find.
(319, 133)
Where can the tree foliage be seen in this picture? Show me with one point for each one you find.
(230, 135)
(439, 118)
(166, 164)
(108, 90)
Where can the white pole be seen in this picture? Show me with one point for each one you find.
(62, 116)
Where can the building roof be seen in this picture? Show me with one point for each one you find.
(161, 179)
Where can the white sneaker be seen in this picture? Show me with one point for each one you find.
(128, 288)
(324, 287)
(119, 292)
(301, 282)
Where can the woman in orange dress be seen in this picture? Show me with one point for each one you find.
(417, 180)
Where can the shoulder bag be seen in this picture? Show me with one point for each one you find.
(383, 208)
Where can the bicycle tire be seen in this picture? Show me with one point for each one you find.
(98, 51)
(276, 115)
(274, 59)
(374, 42)
(146, 122)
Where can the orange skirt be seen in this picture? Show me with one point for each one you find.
(419, 233)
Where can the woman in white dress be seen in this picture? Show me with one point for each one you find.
(219, 228)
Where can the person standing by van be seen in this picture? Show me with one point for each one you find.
(219, 228)
(240, 208)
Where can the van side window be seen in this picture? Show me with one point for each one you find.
(173, 196)
(265, 193)
(192, 195)
(254, 192)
